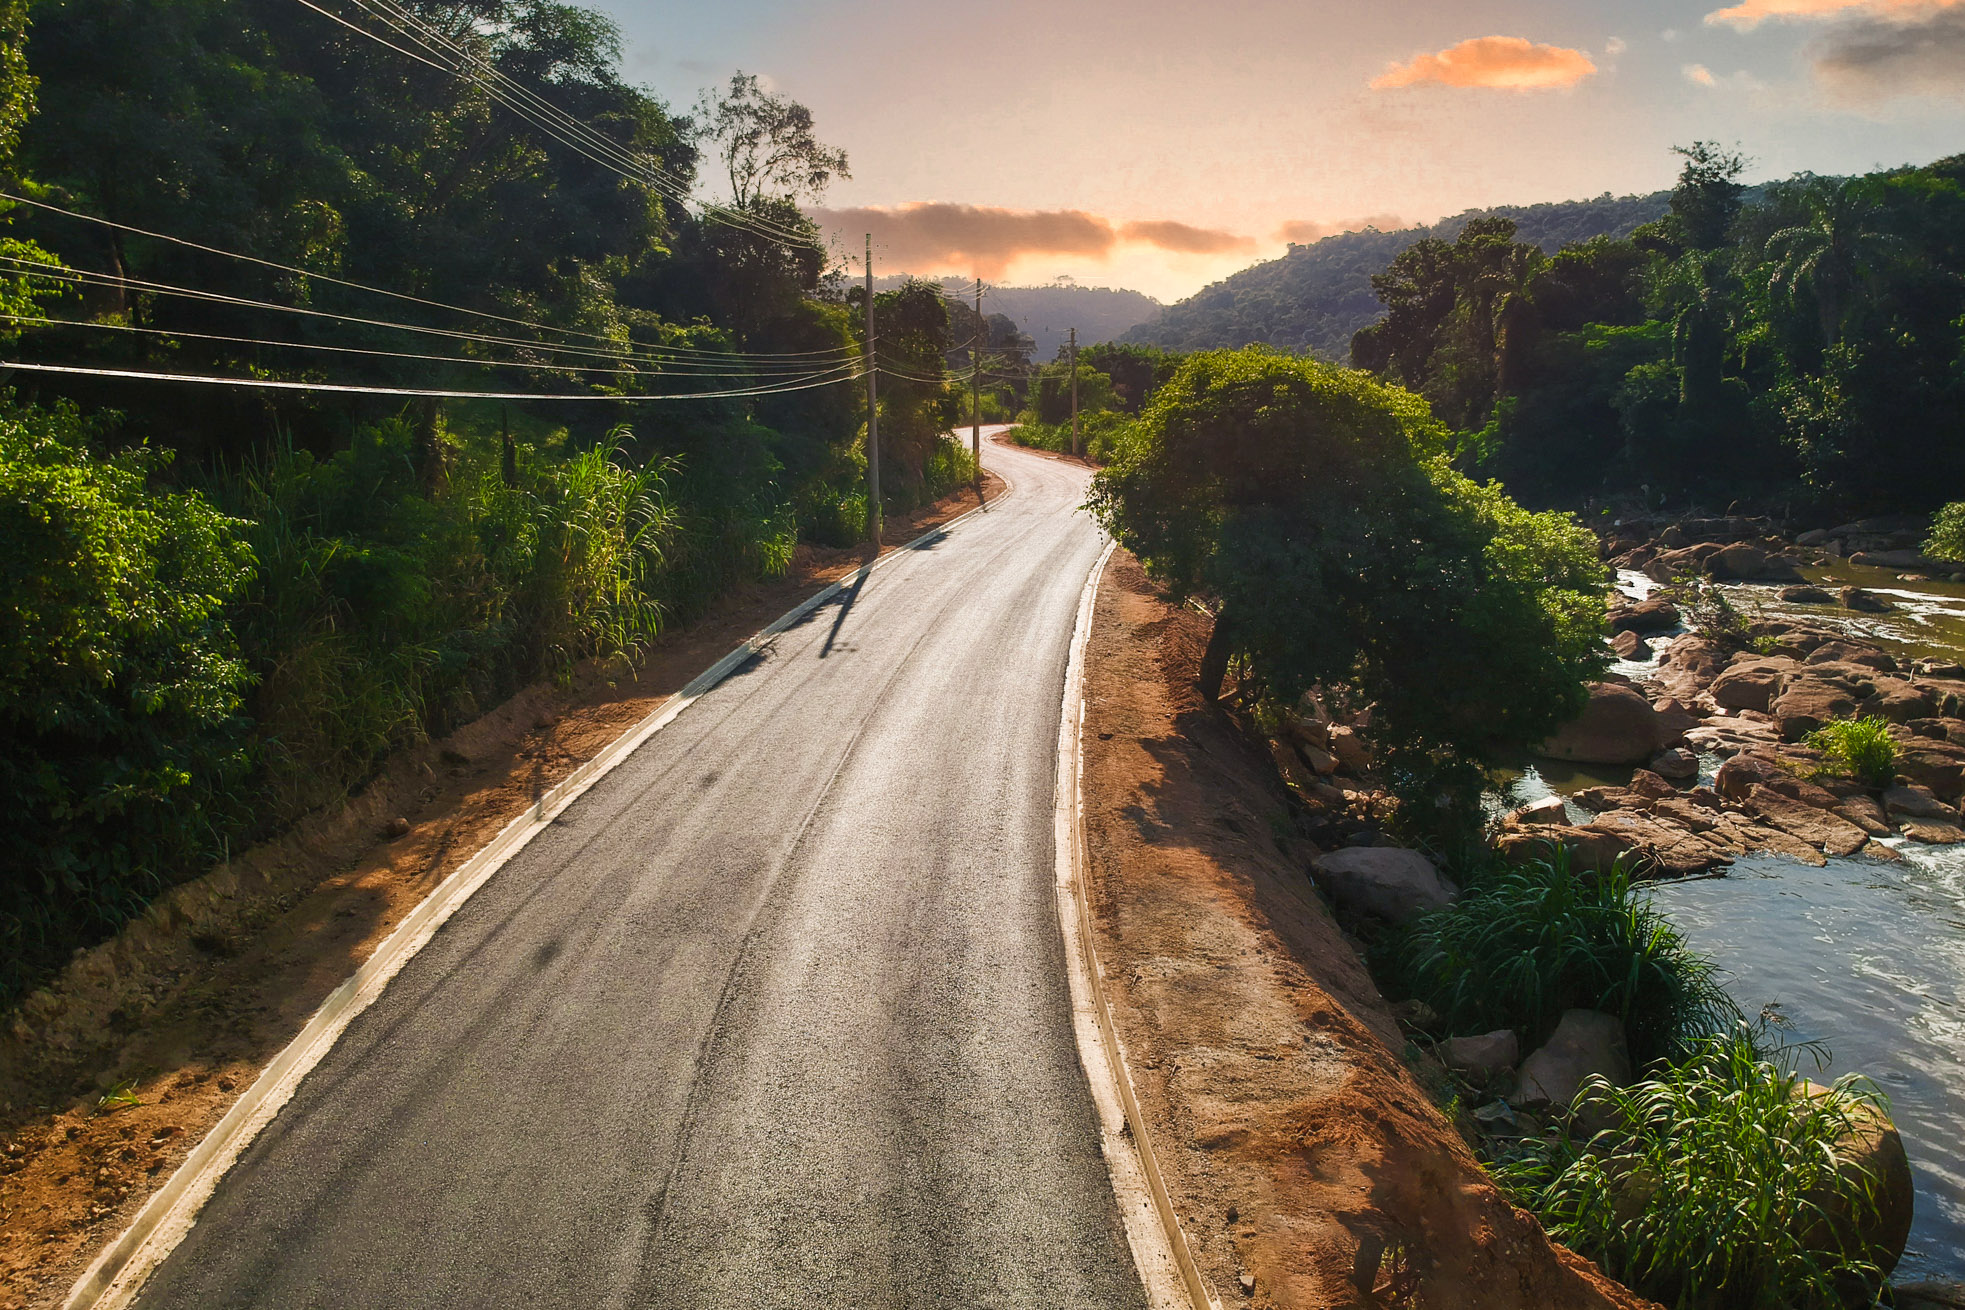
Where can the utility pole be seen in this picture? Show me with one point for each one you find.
(975, 390)
(873, 416)
(1074, 391)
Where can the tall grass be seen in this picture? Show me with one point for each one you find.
(1860, 748)
(1536, 940)
(1723, 1182)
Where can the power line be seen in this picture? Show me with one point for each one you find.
(846, 373)
(557, 123)
(685, 370)
(91, 277)
(399, 295)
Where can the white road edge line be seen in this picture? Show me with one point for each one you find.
(1166, 1265)
(114, 1278)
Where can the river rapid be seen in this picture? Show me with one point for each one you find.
(1865, 957)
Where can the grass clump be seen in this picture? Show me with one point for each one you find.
(1725, 1181)
(1859, 748)
(1536, 940)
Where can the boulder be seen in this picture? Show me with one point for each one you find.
(1306, 731)
(1388, 882)
(1321, 762)
(1846, 652)
(1806, 703)
(1590, 850)
(1744, 772)
(1352, 753)
(1808, 793)
(1650, 786)
(1813, 537)
(1688, 562)
(1745, 562)
(1867, 815)
(1646, 617)
(1898, 700)
(1677, 763)
(1873, 1150)
(1627, 645)
(1822, 829)
(1599, 799)
(1487, 1054)
(1618, 726)
(1916, 802)
(1934, 832)
(1752, 684)
(1585, 1042)
(1659, 847)
(1898, 559)
(1863, 602)
(1939, 765)
(1549, 809)
(1806, 595)
(1687, 814)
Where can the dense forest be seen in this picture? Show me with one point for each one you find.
(1803, 345)
(521, 365)
(1317, 296)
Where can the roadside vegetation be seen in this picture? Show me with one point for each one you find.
(1724, 1180)
(225, 607)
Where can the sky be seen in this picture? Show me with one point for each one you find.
(1163, 144)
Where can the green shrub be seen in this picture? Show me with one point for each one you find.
(1947, 539)
(122, 749)
(1535, 940)
(1717, 1184)
(1860, 748)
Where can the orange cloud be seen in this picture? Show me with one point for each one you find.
(1305, 234)
(1185, 240)
(1509, 63)
(1752, 13)
(985, 239)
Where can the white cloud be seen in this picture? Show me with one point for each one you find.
(1699, 74)
(1615, 46)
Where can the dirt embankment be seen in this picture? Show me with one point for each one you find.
(1309, 1167)
(177, 1015)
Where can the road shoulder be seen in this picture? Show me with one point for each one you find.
(1307, 1165)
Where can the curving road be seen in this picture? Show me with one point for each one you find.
(774, 1016)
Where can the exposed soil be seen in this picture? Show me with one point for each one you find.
(177, 1015)
(1309, 1166)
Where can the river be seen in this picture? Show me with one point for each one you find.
(1863, 956)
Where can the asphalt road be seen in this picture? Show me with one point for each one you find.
(776, 1015)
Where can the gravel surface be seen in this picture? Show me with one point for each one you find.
(776, 1015)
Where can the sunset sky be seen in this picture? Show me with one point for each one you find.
(1161, 144)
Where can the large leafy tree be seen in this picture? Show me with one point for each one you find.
(1315, 508)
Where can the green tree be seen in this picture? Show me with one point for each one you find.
(1315, 507)
(121, 744)
(1830, 254)
(1708, 196)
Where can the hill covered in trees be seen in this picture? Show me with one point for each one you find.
(1318, 296)
(1046, 314)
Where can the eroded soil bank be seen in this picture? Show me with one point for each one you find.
(176, 1016)
(1309, 1166)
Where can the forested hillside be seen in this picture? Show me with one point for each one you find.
(1799, 345)
(1315, 297)
(470, 379)
(1046, 314)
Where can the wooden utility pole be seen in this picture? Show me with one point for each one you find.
(873, 415)
(1074, 391)
(975, 389)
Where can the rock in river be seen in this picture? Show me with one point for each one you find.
(1618, 726)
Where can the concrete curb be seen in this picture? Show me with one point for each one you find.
(114, 1277)
(1166, 1265)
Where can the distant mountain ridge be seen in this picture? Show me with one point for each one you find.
(1316, 297)
(1047, 313)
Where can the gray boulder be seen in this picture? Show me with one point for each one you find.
(1489, 1053)
(1386, 881)
(1585, 1042)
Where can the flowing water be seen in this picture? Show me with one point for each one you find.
(1865, 957)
